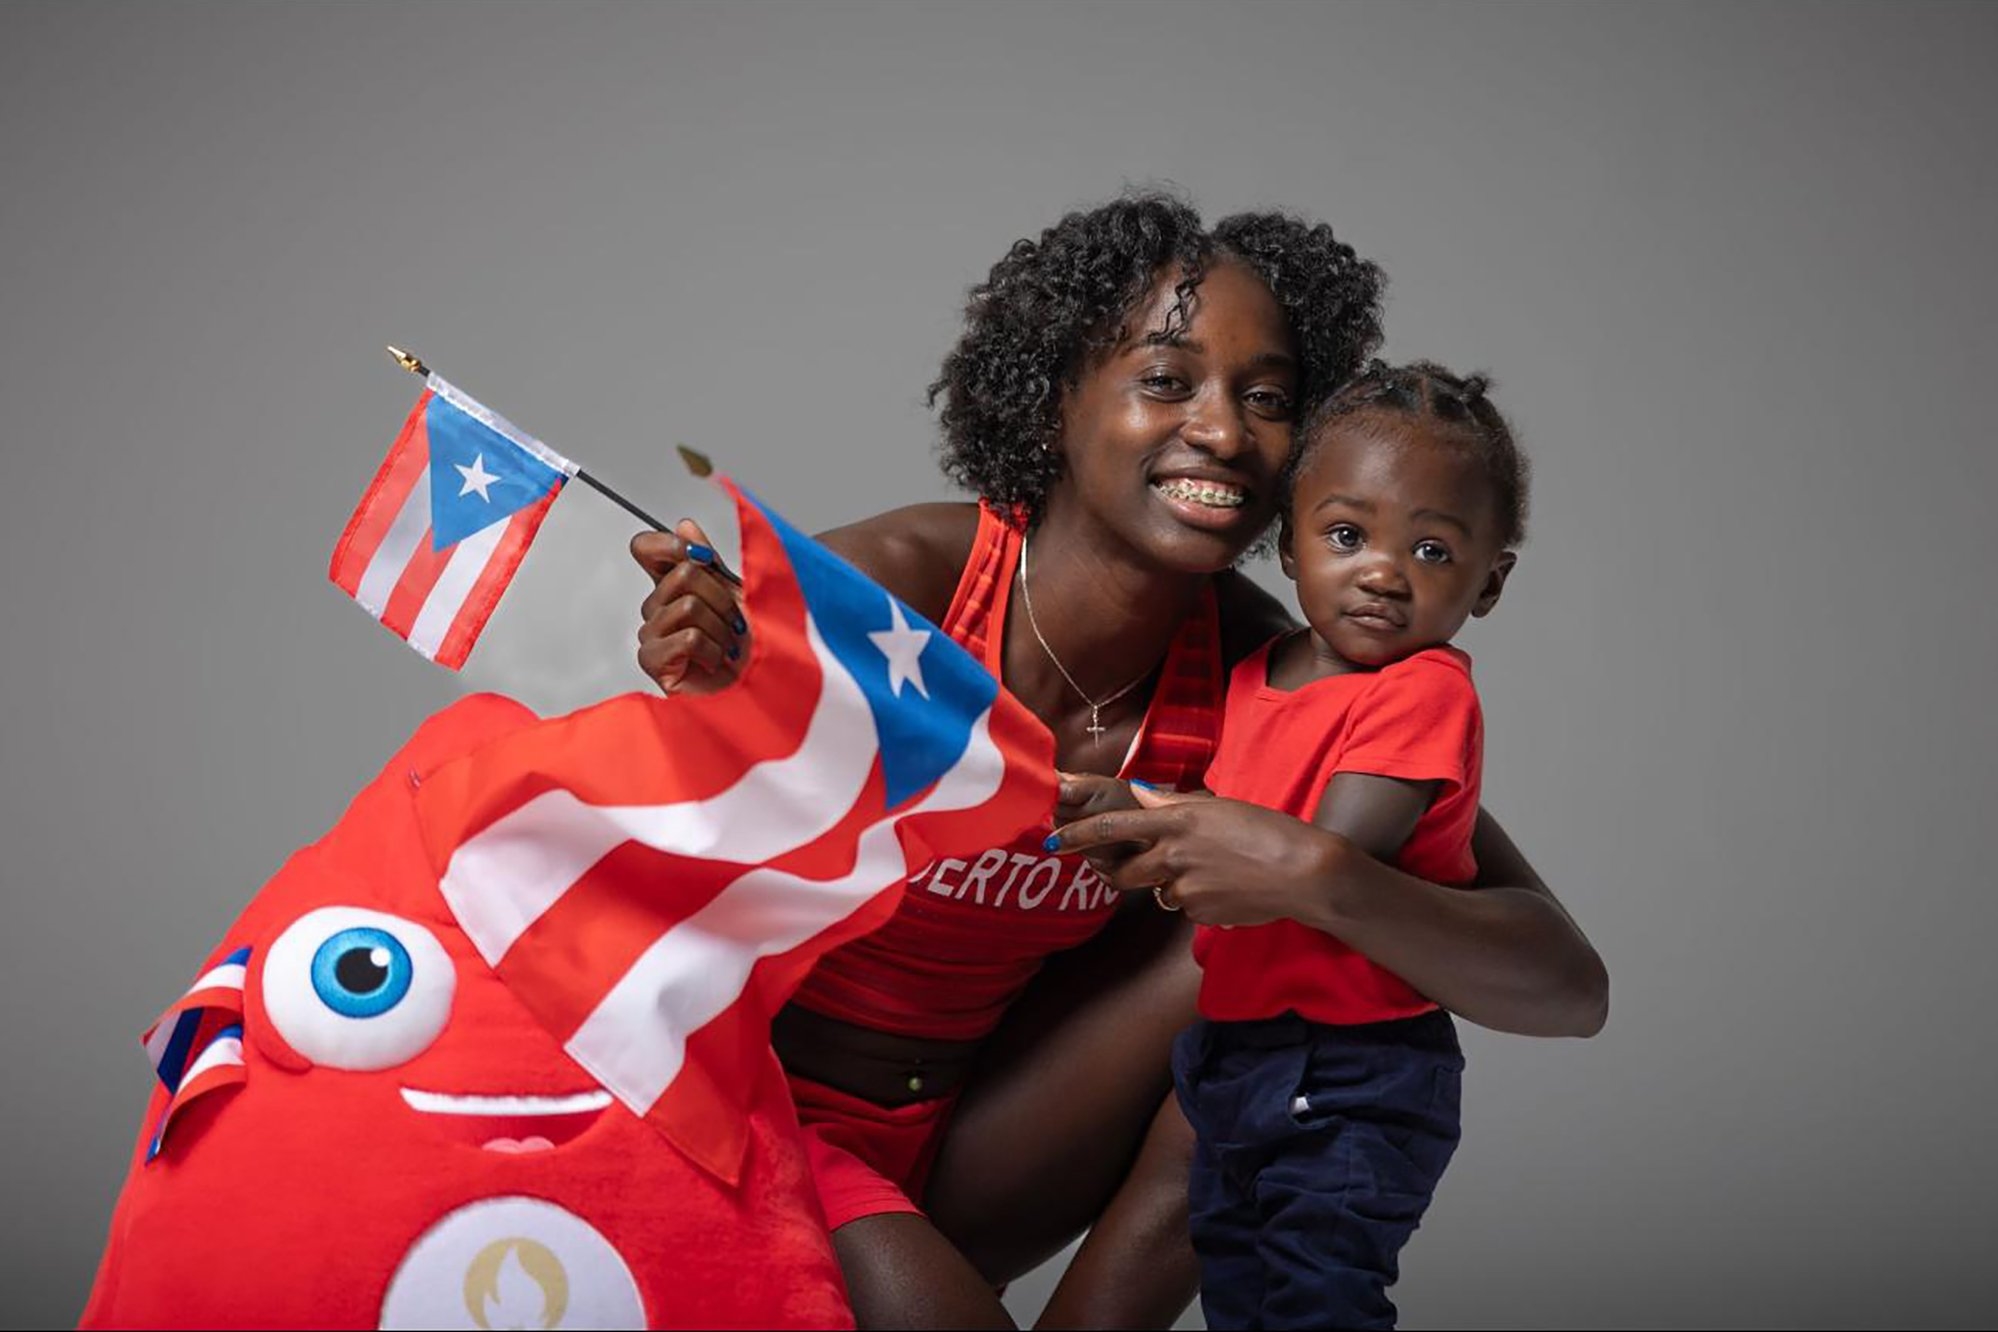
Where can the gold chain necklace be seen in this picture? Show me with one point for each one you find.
(1096, 706)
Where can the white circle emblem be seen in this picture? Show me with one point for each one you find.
(512, 1263)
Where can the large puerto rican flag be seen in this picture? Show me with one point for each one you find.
(444, 524)
(654, 877)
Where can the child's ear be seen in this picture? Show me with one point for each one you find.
(1285, 559)
(1488, 595)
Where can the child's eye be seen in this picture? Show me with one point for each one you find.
(1344, 536)
(1432, 552)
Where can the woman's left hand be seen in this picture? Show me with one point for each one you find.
(1223, 862)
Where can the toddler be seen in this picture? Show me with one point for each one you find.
(1323, 1089)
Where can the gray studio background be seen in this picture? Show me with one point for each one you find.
(1731, 266)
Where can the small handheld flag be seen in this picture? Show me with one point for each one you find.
(444, 525)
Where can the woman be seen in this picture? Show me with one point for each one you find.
(1122, 401)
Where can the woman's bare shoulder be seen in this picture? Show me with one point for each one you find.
(917, 552)
(1250, 617)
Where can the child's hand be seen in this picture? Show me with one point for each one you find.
(1084, 793)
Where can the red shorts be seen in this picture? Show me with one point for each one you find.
(867, 1160)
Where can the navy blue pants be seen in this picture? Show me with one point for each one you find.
(1319, 1150)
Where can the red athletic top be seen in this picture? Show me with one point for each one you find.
(969, 934)
(1416, 719)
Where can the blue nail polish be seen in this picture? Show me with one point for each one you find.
(1051, 843)
(741, 625)
(1147, 785)
(700, 554)
(734, 651)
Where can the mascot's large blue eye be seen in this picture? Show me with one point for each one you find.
(349, 987)
(361, 972)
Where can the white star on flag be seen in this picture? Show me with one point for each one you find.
(903, 647)
(476, 477)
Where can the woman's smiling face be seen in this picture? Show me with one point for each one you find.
(1174, 438)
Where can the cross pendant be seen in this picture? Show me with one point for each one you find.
(1095, 728)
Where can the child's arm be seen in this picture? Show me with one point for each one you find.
(1415, 735)
(1376, 814)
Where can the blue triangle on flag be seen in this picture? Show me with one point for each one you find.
(923, 728)
(478, 476)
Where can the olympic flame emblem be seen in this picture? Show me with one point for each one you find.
(516, 1283)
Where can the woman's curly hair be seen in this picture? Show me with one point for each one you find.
(1051, 304)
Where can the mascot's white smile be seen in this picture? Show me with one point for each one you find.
(510, 1124)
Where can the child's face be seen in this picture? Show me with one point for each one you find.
(1392, 539)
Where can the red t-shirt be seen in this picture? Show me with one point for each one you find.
(1417, 719)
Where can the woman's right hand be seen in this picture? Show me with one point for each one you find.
(692, 638)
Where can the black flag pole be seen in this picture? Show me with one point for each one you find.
(697, 463)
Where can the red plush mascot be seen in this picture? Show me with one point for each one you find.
(360, 1126)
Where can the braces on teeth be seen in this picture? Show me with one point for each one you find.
(1226, 498)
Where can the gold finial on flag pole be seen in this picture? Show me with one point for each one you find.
(703, 467)
(413, 364)
(697, 462)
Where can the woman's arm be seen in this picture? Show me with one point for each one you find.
(1573, 991)
(1505, 956)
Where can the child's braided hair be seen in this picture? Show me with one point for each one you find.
(1456, 403)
